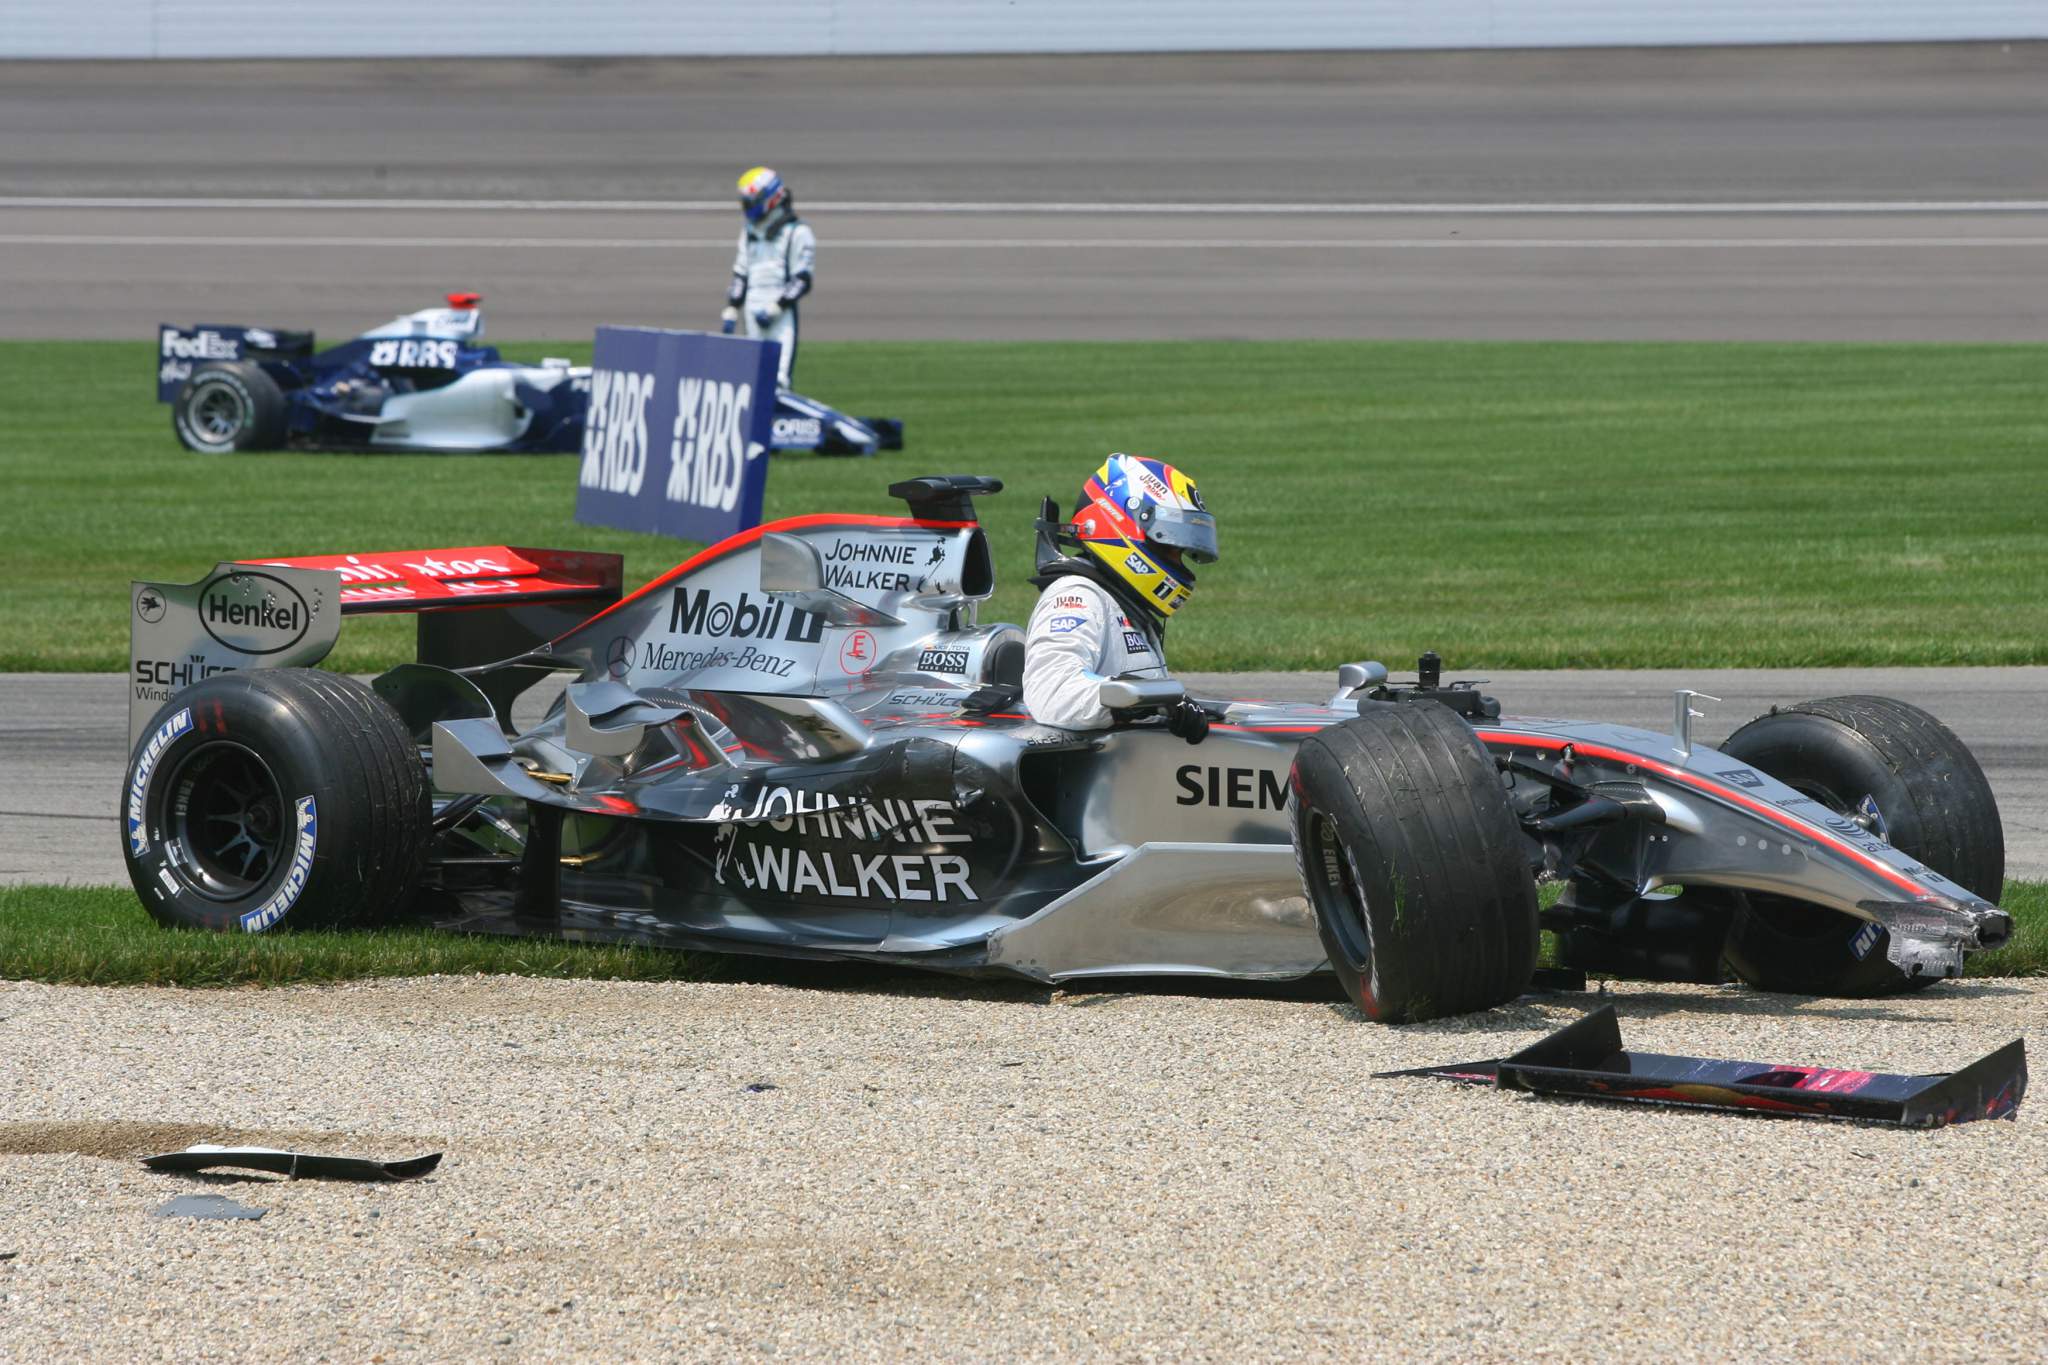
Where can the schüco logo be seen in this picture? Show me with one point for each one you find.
(254, 613)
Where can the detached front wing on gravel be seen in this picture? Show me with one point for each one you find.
(1585, 1060)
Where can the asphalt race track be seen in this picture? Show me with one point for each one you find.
(63, 741)
(1884, 193)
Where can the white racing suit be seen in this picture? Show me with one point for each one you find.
(1079, 635)
(770, 272)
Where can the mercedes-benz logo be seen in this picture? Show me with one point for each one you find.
(619, 656)
(149, 605)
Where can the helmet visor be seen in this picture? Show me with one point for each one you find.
(1192, 533)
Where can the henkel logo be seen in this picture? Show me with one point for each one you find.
(615, 431)
(709, 455)
(700, 613)
(204, 344)
(254, 613)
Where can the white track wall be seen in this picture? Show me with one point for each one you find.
(708, 28)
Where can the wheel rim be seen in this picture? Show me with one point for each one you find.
(226, 816)
(1335, 893)
(217, 414)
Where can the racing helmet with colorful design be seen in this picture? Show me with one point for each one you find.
(761, 193)
(1145, 522)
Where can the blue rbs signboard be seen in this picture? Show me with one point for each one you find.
(678, 433)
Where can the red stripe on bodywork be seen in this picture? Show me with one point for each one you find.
(754, 533)
(1792, 822)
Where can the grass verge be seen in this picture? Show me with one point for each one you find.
(1509, 504)
(101, 936)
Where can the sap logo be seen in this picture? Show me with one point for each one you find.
(1063, 625)
(1139, 565)
(1741, 777)
(698, 613)
(1231, 788)
(412, 354)
(798, 431)
(206, 344)
(615, 432)
(942, 661)
(709, 453)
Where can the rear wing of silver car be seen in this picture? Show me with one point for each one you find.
(475, 605)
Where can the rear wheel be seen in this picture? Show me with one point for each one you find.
(1414, 864)
(272, 797)
(1903, 776)
(227, 406)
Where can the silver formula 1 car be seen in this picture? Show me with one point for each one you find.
(802, 743)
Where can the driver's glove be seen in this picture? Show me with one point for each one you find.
(765, 317)
(729, 320)
(1188, 720)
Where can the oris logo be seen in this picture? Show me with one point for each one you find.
(254, 613)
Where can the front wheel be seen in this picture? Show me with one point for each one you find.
(1414, 864)
(228, 406)
(1906, 778)
(273, 797)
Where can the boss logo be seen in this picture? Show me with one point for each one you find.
(942, 661)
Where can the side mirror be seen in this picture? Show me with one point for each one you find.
(1353, 677)
(790, 564)
(1123, 694)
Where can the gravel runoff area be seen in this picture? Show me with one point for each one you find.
(861, 1166)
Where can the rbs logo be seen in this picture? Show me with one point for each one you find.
(615, 432)
(707, 460)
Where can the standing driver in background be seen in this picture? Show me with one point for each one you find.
(1139, 528)
(773, 268)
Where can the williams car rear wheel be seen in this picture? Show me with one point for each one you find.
(227, 406)
(1414, 864)
(273, 797)
(1903, 776)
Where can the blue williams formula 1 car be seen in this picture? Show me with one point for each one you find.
(802, 742)
(421, 382)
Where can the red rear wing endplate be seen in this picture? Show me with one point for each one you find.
(473, 576)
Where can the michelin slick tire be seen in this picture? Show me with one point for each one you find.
(275, 798)
(1414, 864)
(227, 406)
(1905, 777)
